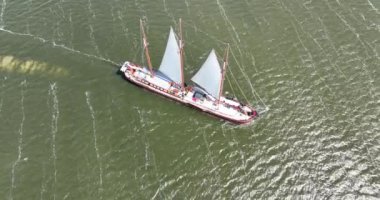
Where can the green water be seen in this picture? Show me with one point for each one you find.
(71, 128)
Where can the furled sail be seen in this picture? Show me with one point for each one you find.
(209, 76)
(171, 62)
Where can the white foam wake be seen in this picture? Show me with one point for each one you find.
(224, 15)
(95, 142)
(187, 6)
(20, 142)
(43, 184)
(90, 9)
(92, 32)
(359, 38)
(167, 11)
(3, 5)
(54, 129)
(2, 94)
(373, 7)
(52, 43)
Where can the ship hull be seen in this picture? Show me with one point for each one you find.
(180, 97)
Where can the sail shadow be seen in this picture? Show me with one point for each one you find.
(12, 64)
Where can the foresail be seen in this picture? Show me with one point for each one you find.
(171, 61)
(209, 76)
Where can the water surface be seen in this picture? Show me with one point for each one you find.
(71, 128)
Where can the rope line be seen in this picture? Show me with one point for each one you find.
(255, 94)
(229, 83)
(237, 83)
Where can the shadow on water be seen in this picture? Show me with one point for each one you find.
(48, 58)
(13, 64)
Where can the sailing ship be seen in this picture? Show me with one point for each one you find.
(206, 91)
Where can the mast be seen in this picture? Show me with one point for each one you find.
(145, 43)
(181, 44)
(225, 63)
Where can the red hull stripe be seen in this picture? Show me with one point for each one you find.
(164, 92)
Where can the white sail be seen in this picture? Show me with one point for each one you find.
(171, 62)
(209, 76)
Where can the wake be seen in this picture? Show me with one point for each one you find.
(54, 129)
(92, 112)
(2, 94)
(20, 142)
(61, 46)
(3, 5)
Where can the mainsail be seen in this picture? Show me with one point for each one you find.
(171, 62)
(209, 75)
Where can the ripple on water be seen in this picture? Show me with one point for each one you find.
(314, 62)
